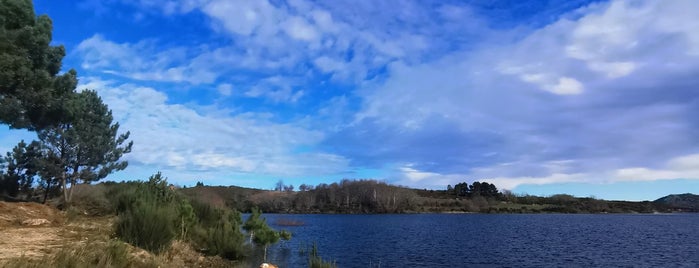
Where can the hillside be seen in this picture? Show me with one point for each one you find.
(371, 196)
(684, 202)
(224, 196)
(347, 196)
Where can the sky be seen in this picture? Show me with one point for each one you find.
(589, 98)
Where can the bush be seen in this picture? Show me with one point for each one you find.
(223, 239)
(151, 215)
(148, 225)
(92, 199)
(187, 217)
(218, 231)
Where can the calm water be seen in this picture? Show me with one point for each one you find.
(482, 240)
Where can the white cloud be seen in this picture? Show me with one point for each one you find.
(560, 86)
(407, 175)
(299, 28)
(174, 137)
(277, 89)
(143, 61)
(214, 160)
(300, 31)
(684, 163)
(324, 21)
(512, 183)
(635, 112)
(243, 17)
(295, 39)
(328, 65)
(522, 96)
(682, 167)
(613, 69)
(611, 39)
(277, 95)
(100, 53)
(225, 89)
(567, 86)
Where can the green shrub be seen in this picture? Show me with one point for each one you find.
(122, 195)
(151, 215)
(92, 199)
(224, 239)
(148, 225)
(207, 214)
(187, 218)
(218, 231)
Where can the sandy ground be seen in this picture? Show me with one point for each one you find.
(32, 242)
(35, 230)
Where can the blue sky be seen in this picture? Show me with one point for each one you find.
(540, 97)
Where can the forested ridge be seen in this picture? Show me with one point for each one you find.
(372, 196)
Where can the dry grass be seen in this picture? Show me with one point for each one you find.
(82, 241)
(29, 229)
(31, 242)
(13, 214)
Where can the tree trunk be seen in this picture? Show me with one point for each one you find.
(46, 191)
(182, 228)
(65, 189)
(264, 257)
(73, 180)
(70, 190)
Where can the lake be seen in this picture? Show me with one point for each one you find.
(493, 240)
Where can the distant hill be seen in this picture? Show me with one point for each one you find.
(681, 201)
(371, 196)
(224, 196)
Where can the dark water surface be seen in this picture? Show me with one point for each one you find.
(499, 240)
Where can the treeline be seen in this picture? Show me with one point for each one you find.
(508, 202)
(462, 197)
(351, 196)
(372, 196)
(476, 189)
(347, 196)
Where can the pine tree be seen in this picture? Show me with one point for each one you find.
(31, 91)
(86, 145)
(22, 165)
